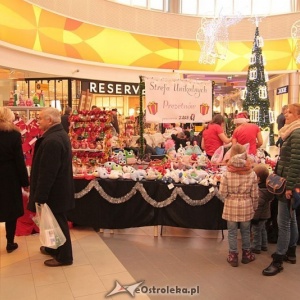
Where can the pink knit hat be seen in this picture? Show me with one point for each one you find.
(241, 118)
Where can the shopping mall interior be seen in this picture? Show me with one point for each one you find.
(60, 45)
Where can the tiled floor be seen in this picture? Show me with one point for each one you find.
(93, 274)
(190, 257)
(180, 257)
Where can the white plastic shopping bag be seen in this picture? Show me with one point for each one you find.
(51, 234)
(228, 153)
(218, 155)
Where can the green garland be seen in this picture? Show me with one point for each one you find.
(141, 116)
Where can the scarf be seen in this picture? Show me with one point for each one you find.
(241, 170)
(287, 129)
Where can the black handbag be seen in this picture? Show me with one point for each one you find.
(275, 184)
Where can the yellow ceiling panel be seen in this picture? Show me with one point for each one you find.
(117, 47)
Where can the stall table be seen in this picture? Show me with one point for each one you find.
(124, 208)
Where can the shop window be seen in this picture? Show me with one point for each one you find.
(47, 90)
(110, 102)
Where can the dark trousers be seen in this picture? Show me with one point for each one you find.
(10, 228)
(271, 225)
(63, 253)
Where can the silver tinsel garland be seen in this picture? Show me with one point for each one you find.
(138, 187)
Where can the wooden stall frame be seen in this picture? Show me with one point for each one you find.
(85, 101)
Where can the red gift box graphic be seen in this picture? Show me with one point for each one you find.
(204, 108)
(152, 107)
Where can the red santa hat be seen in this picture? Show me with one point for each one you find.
(241, 118)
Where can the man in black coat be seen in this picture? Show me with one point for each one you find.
(51, 180)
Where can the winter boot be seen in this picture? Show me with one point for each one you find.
(11, 247)
(275, 267)
(233, 259)
(247, 257)
(290, 255)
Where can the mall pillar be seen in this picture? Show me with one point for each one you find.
(293, 88)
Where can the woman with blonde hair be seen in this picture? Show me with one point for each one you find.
(13, 176)
(288, 167)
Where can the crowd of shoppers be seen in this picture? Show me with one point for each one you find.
(243, 185)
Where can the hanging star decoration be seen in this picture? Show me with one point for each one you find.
(213, 36)
(295, 33)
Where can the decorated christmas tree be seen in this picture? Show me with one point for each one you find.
(255, 96)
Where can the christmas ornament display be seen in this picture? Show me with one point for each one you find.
(91, 139)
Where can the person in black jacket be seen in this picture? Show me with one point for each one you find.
(51, 180)
(287, 167)
(180, 139)
(263, 211)
(280, 123)
(65, 119)
(13, 176)
(114, 120)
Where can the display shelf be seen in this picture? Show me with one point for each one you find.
(91, 139)
(28, 112)
(86, 150)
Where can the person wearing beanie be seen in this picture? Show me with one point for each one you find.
(246, 133)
